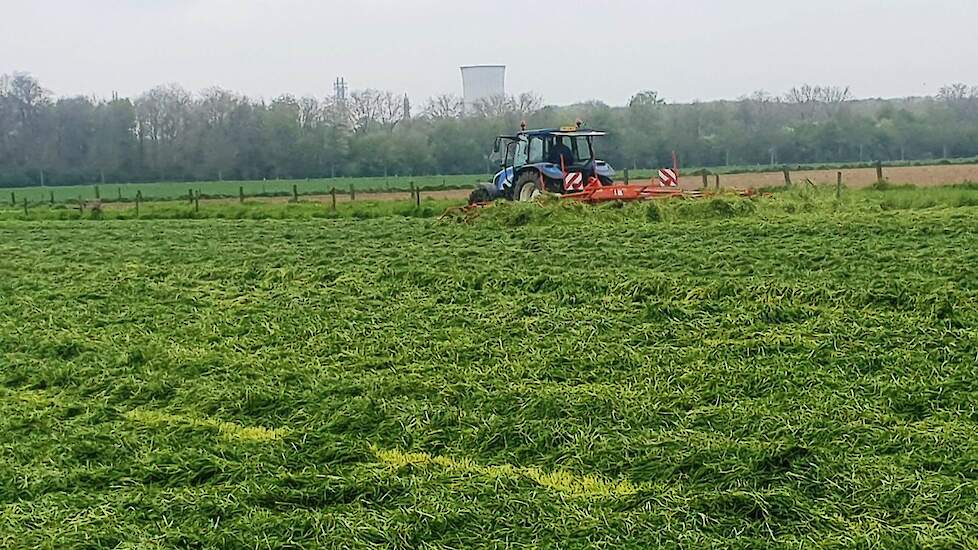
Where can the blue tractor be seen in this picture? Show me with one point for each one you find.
(532, 162)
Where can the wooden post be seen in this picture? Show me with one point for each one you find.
(119, 189)
(332, 194)
(879, 171)
(190, 196)
(353, 193)
(13, 199)
(196, 201)
(787, 176)
(626, 176)
(412, 191)
(81, 205)
(417, 198)
(241, 193)
(295, 193)
(716, 180)
(98, 194)
(139, 198)
(706, 180)
(838, 185)
(25, 207)
(52, 198)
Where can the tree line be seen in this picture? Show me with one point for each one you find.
(170, 134)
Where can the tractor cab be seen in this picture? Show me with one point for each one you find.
(560, 161)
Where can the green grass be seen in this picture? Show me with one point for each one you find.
(791, 371)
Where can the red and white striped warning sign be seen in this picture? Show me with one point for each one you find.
(669, 177)
(574, 181)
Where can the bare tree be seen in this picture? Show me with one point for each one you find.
(443, 106)
(162, 112)
(818, 101)
(527, 103)
(955, 92)
(647, 98)
(391, 110)
(364, 108)
(818, 94)
(493, 106)
(311, 112)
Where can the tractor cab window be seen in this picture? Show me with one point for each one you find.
(520, 153)
(581, 147)
(535, 153)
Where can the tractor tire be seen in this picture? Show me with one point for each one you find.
(527, 187)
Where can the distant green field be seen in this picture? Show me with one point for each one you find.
(173, 190)
(789, 371)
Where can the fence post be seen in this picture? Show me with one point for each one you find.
(119, 190)
(98, 194)
(838, 185)
(879, 171)
(13, 199)
(412, 191)
(787, 176)
(241, 193)
(295, 193)
(353, 193)
(716, 181)
(81, 205)
(332, 194)
(52, 198)
(25, 207)
(196, 201)
(626, 176)
(706, 178)
(417, 196)
(139, 198)
(190, 196)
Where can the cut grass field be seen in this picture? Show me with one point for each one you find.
(789, 371)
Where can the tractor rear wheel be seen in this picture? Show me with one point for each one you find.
(527, 187)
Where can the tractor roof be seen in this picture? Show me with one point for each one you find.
(562, 132)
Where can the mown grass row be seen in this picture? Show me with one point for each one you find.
(737, 376)
(178, 210)
(769, 203)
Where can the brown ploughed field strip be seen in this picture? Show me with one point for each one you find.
(922, 176)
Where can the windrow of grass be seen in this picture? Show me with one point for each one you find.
(768, 204)
(742, 374)
(179, 210)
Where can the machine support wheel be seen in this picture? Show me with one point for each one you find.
(480, 195)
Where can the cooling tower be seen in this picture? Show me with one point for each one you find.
(481, 82)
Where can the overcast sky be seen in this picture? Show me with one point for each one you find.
(565, 50)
